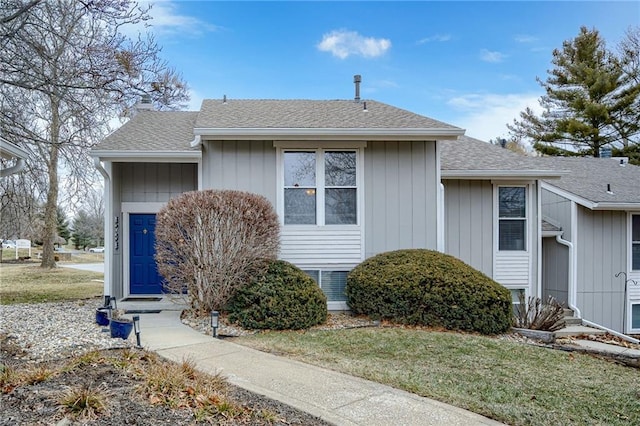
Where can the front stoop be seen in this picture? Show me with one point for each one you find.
(577, 330)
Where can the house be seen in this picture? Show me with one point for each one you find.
(591, 254)
(492, 203)
(9, 151)
(348, 179)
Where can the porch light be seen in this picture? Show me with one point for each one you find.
(215, 322)
(136, 329)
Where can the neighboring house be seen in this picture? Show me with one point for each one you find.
(348, 180)
(594, 240)
(9, 151)
(492, 205)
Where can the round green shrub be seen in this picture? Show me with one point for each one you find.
(284, 298)
(425, 287)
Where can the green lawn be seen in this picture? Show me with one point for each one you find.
(31, 284)
(508, 381)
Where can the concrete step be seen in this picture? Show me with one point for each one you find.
(568, 312)
(572, 321)
(576, 330)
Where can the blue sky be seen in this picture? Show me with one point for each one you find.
(470, 64)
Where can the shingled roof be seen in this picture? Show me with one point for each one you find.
(309, 114)
(469, 158)
(153, 131)
(590, 178)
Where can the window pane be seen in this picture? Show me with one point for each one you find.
(340, 206)
(299, 206)
(635, 257)
(511, 235)
(340, 168)
(635, 315)
(635, 227)
(299, 168)
(315, 274)
(512, 201)
(333, 284)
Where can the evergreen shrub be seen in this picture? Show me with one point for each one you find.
(284, 298)
(424, 287)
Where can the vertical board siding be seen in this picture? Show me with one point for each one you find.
(400, 196)
(155, 182)
(601, 253)
(557, 209)
(512, 269)
(312, 247)
(555, 271)
(469, 222)
(241, 165)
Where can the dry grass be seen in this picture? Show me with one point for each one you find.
(32, 284)
(512, 382)
(84, 402)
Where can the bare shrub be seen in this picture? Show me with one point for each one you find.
(535, 315)
(212, 242)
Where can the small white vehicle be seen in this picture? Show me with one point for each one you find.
(96, 250)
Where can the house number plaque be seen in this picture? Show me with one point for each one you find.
(116, 233)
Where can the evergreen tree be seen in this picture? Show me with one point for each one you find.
(63, 225)
(591, 101)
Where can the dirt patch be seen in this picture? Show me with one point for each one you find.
(33, 393)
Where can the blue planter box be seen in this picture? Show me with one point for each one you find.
(102, 316)
(121, 328)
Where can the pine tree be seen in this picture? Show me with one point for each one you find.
(591, 101)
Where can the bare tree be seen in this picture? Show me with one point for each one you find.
(65, 72)
(213, 242)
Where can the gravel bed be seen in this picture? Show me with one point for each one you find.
(53, 331)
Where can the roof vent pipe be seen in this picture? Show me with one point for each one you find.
(224, 99)
(357, 79)
(609, 189)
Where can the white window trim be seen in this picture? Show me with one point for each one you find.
(496, 218)
(127, 209)
(632, 272)
(320, 148)
(628, 325)
(634, 275)
(331, 305)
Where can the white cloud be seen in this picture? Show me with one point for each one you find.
(524, 38)
(166, 20)
(491, 56)
(485, 116)
(436, 38)
(343, 43)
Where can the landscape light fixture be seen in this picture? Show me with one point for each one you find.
(215, 322)
(136, 328)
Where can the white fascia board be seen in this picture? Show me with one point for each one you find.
(9, 150)
(501, 174)
(568, 195)
(148, 156)
(617, 206)
(371, 134)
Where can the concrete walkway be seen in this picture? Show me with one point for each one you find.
(335, 397)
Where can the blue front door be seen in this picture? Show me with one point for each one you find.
(143, 271)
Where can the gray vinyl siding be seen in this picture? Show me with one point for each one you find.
(555, 271)
(144, 183)
(155, 182)
(400, 184)
(469, 222)
(601, 253)
(557, 209)
(240, 165)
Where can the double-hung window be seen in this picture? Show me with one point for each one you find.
(635, 242)
(512, 218)
(320, 187)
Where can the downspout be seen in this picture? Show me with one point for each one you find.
(572, 292)
(108, 227)
(440, 213)
(16, 168)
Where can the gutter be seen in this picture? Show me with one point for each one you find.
(16, 168)
(251, 133)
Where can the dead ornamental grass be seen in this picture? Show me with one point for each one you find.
(32, 284)
(511, 382)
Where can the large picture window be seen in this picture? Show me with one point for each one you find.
(512, 218)
(635, 242)
(320, 187)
